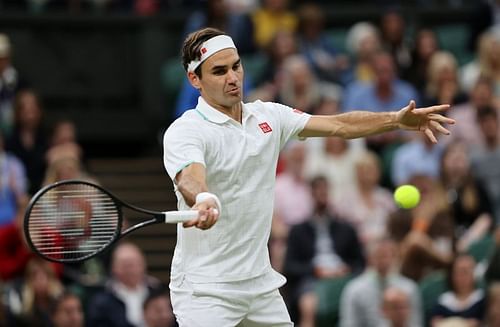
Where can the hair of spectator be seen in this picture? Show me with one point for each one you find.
(486, 112)
(451, 267)
(192, 45)
(153, 295)
(60, 299)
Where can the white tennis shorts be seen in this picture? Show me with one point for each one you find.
(251, 303)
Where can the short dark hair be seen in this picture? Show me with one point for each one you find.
(486, 112)
(153, 295)
(192, 45)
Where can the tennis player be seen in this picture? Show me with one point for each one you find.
(222, 155)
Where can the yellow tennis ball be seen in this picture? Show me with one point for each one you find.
(407, 196)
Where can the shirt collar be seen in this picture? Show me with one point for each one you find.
(215, 116)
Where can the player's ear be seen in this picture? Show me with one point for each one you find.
(194, 80)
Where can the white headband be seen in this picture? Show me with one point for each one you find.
(209, 47)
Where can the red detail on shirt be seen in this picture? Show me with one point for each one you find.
(265, 127)
(203, 50)
(298, 111)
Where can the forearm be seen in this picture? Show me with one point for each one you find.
(191, 182)
(351, 125)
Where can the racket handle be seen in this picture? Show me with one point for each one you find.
(180, 216)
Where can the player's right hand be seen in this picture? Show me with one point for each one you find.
(207, 215)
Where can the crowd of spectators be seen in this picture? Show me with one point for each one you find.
(334, 216)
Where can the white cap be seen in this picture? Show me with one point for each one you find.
(4, 46)
(209, 47)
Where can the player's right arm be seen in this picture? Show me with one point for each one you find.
(191, 182)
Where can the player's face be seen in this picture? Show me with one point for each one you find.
(222, 79)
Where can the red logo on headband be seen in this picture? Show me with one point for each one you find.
(203, 50)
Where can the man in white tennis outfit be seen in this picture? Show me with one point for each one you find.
(222, 157)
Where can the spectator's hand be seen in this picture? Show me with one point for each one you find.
(426, 120)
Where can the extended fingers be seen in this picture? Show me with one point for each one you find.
(428, 132)
(441, 119)
(431, 109)
(438, 127)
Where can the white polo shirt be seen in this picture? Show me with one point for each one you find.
(240, 162)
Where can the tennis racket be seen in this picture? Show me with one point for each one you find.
(73, 220)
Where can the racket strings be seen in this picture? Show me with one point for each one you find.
(73, 221)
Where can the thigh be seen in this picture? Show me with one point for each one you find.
(267, 309)
(193, 308)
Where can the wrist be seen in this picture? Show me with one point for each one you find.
(203, 196)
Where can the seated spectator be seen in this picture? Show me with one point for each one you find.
(319, 248)
(426, 44)
(10, 83)
(320, 52)
(417, 157)
(361, 300)
(14, 252)
(67, 311)
(158, 310)
(442, 81)
(362, 42)
(120, 304)
(396, 308)
(63, 142)
(469, 130)
(394, 37)
(468, 200)
(492, 318)
(273, 16)
(374, 204)
(464, 299)
(28, 141)
(13, 185)
(485, 160)
(29, 300)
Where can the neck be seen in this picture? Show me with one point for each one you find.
(235, 111)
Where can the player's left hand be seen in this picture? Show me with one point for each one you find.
(427, 120)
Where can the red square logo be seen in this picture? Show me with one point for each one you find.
(203, 50)
(265, 127)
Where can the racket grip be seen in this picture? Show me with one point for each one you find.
(180, 216)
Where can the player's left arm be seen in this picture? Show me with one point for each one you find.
(365, 123)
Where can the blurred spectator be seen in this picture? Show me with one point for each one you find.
(14, 252)
(442, 81)
(492, 318)
(361, 300)
(417, 157)
(292, 200)
(362, 42)
(121, 303)
(468, 129)
(9, 85)
(396, 308)
(486, 64)
(3, 318)
(28, 140)
(393, 35)
(67, 311)
(30, 299)
(13, 184)
(374, 204)
(317, 47)
(269, 81)
(273, 16)
(216, 13)
(341, 155)
(426, 44)
(492, 273)
(385, 93)
(483, 16)
(426, 233)
(63, 142)
(158, 310)
(469, 203)
(321, 247)
(464, 299)
(485, 160)
(66, 168)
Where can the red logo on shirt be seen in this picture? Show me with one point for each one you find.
(298, 111)
(203, 50)
(265, 127)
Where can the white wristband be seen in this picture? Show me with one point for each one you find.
(203, 196)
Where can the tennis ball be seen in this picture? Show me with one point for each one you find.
(407, 196)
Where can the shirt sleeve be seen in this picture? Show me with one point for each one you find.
(182, 146)
(292, 121)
